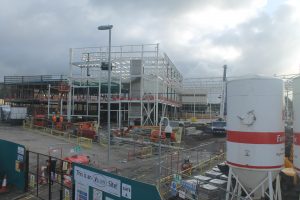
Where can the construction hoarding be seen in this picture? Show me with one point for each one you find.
(12, 163)
(95, 184)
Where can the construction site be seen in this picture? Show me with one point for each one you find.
(128, 114)
(145, 85)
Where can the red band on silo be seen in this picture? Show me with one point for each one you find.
(297, 138)
(254, 167)
(256, 137)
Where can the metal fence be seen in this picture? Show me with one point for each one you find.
(49, 178)
(202, 157)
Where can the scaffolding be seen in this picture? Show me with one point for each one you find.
(210, 88)
(288, 94)
(145, 84)
(41, 94)
(213, 89)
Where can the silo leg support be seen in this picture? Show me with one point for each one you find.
(239, 191)
(278, 189)
(271, 191)
(256, 188)
(233, 194)
(229, 183)
(263, 191)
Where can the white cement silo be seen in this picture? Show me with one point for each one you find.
(296, 124)
(255, 132)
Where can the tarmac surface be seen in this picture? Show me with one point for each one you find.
(141, 169)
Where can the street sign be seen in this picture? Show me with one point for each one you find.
(173, 185)
(173, 188)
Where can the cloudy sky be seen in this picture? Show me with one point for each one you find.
(200, 36)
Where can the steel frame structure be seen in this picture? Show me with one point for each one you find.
(288, 93)
(160, 84)
(212, 87)
(40, 93)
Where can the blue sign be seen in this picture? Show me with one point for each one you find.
(190, 186)
(173, 188)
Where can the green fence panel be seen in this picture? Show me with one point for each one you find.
(12, 163)
(91, 183)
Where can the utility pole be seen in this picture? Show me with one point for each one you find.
(223, 96)
(224, 73)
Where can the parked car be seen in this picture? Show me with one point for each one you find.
(217, 128)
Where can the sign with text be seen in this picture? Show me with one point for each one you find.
(126, 191)
(98, 181)
(95, 184)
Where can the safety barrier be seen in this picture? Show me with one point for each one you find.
(145, 152)
(81, 141)
(164, 184)
(85, 142)
(131, 155)
(200, 167)
(207, 164)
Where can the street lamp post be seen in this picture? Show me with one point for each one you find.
(108, 27)
(168, 129)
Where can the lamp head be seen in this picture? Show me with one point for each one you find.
(105, 27)
(168, 129)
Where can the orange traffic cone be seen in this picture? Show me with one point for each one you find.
(4, 185)
(43, 179)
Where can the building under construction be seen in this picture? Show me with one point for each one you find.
(145, 85)
(40, 94)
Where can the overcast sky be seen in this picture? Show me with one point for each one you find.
(200, 36)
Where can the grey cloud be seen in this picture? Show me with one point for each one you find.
(36, 35)
(169, 8)
(268, 43)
